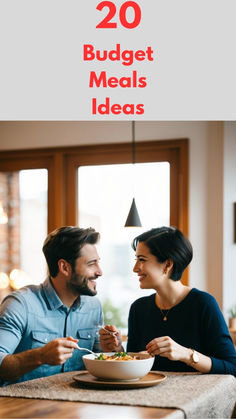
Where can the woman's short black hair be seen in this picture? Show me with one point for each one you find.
(66, 243)
(168, 243)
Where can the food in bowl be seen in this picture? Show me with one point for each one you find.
(118, 356)
(104, 367)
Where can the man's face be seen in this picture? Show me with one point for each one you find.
(87, 270)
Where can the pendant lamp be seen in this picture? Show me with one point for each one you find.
(133, 219)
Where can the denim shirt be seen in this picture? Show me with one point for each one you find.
(35, 315)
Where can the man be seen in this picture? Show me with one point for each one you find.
(41, 325)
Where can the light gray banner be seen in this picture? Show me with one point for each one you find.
(43, 74)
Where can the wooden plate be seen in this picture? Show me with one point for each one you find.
(151, 379)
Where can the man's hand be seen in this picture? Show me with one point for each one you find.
(58, 350)
(55, 352)
(111, 342)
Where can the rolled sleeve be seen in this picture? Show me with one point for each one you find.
(13, 315)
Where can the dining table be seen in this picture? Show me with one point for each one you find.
(79, 395)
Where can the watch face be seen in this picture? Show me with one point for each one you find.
(195, 357)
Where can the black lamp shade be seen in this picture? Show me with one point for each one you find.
(133, 219)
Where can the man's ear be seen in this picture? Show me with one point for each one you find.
(64, 267)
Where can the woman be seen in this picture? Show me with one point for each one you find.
(182, 327)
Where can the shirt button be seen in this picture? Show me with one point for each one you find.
(89, 336)
(46, 340)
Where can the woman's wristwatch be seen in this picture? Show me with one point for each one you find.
(194, 357)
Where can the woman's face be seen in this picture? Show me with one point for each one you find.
(148, 269)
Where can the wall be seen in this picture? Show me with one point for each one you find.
(21, 135)
(214, 209)
(206, 168)
(229, 247)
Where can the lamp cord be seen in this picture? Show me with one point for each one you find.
(133, 142)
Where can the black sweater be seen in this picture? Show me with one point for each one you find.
(196, 322)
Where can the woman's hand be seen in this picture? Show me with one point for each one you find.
(109, 342)
(168, 348)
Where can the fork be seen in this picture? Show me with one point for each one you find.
(101, 326)
(86, 349)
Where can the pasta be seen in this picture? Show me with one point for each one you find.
(118, 356)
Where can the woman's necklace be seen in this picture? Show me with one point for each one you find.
(164, 314)
(179, 298)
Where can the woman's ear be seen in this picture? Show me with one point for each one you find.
(64, 267)
(168, 266)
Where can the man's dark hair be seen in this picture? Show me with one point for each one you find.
(168, 243)
(66, 243)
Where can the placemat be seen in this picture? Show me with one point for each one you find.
(197, 395)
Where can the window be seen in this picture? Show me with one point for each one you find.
(105, 194)
(26, 192)
(23, 196)
(33, 188)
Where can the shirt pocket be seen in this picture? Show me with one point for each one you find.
(41, 338)
(86, 338)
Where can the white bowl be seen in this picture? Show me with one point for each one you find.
(119, 370)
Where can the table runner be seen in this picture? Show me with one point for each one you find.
(197, 395)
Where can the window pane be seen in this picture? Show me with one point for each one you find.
(105, 195)
(23, 199)
(33, 222)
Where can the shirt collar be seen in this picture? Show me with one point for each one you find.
(78, 303)
(52, 297)
(54, 300)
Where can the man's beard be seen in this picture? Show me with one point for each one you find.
(79, 284)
